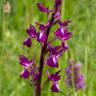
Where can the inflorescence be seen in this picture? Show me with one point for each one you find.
(53, 52)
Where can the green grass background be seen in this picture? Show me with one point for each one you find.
(12, 33)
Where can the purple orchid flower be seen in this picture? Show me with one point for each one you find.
(63, 34)
(42, 35)
(52, 61)
(54, 77)
(24, 61)
(26, 64)
(32, 31)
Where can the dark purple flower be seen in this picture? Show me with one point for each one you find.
(53, 77)
(62, 33)
(27, 42)
(52, 61)
(27, 64)
(55, 87)
(25, 74)
(32, 31)
(42, 37)
(55, 53)
(24, 61)
(42, 8)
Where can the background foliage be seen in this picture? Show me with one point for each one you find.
(12, 33)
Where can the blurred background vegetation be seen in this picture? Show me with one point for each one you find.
(13, 26)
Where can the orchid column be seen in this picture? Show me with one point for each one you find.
(53, 52)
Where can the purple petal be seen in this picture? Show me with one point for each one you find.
(52, 61)
(32, 31)
(25, 73)
(42, 8)
(42, 37)
(63, 34)
(24, 61)
(27, 42)
(55, 87)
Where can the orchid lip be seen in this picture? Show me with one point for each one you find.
(55, 87)
(42, 37)
(25, 73)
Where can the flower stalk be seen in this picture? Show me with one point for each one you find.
(41, 65)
